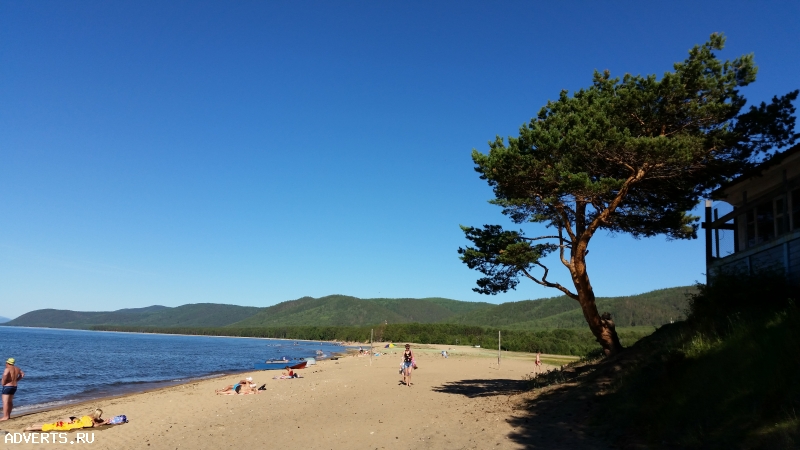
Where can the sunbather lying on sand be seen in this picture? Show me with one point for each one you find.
(74, 423)
(288, 373)
(243, 387)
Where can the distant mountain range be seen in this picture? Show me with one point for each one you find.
(4, 319)
(194, 315)
(652, 308)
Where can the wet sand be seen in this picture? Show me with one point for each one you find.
(458, 402)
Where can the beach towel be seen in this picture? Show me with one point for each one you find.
(83, 422)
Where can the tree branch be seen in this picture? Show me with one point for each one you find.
(603, 215)
(565, 221)
(561, 249)
(641, 122)
(546, 283)
(540, 237)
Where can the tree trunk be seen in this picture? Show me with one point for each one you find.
(602, 327)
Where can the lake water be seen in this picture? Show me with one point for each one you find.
(65, 366)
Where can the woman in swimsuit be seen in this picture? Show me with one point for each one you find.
(233, 389)
(73, 423)
(408, 363)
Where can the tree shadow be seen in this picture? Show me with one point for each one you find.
(483, 388)
(558, 416)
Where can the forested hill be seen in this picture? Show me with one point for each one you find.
(652, 308)
(193, 315)
(342, 310)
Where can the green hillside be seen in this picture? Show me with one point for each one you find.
(60, 318)
(651, 308)
(342, 310)
(336, 310)
(507, 314)
(199, 314)
(429, 310)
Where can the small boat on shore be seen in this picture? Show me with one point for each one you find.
(278, 365)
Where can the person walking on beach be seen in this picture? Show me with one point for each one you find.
(538, 362)
(11, 377)
(408, 363)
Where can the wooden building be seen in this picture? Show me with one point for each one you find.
(762, 231)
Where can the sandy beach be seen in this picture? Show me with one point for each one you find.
(458, 402)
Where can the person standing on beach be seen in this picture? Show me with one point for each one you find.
(408, 363)
(11, 377)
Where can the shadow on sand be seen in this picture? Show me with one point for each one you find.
(483, 388)
(557, 417)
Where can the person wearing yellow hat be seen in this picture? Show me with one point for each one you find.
(11, 377)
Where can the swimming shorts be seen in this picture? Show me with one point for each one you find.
(9, 390)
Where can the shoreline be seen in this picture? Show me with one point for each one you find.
(103, 398)
(342, 343)
(150, 386)
(47, 400)
(463, 401)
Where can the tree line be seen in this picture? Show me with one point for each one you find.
(556, 341)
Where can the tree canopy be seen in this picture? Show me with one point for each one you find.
(629, 155)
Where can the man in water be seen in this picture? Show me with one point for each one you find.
(11, 376)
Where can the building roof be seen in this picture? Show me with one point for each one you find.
(756, 171)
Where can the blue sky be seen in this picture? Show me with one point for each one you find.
(256, 152)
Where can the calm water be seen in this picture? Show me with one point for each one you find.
(63, 366)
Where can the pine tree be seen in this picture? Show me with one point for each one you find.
(631, 155)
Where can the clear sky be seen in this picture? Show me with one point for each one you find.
(249, 153)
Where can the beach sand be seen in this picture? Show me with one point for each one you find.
(458, 402)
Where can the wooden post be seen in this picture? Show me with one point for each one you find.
(716, 233)
(709, 243)
(498, 347)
